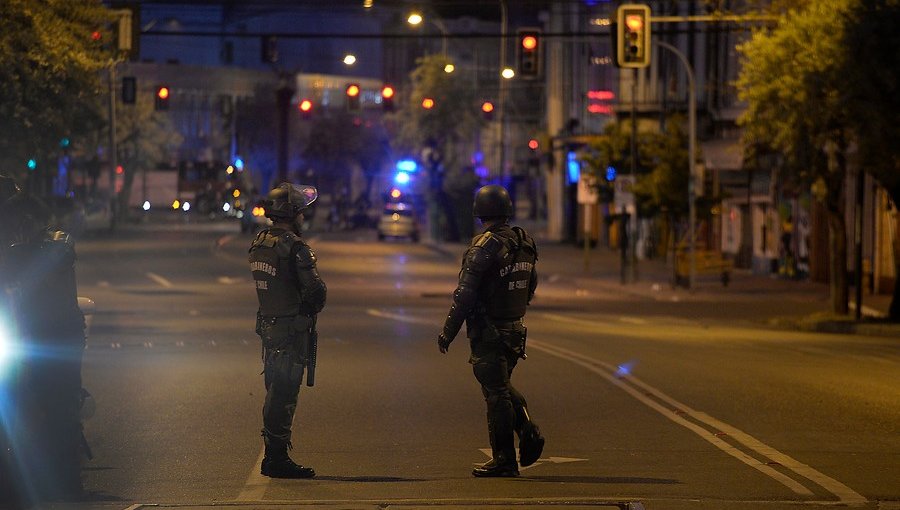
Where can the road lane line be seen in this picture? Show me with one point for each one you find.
(256, 485)
(845, 494)
(160, 280)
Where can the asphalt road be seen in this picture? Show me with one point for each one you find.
(644, 402)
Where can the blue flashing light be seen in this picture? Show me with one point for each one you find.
(64, 143)
(239, 164)
(610, 174)
(401, 178)
(407, 165)
(573, 167)
(32, 164)
(624, 369)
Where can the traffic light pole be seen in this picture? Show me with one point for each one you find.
(692, 141)
(113, 150)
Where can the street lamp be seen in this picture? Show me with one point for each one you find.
(449, 68)
(508, 73)
(349, 59)
(416, 19)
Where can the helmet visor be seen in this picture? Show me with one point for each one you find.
(302, 195)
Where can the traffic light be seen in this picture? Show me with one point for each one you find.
(387, 98)
(305, 107)
(129, 90)
(162, 98)
(533, 144)
(529, 52)
(353, 97)
(428, 103)
(633, 35)
(487, 110)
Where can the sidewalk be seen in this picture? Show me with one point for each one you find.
(601, 271)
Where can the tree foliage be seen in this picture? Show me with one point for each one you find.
(450, 123)
(49, 75)
(789, 80)
(144, 139)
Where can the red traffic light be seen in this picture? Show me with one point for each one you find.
(634, 22)
(533, 144)
(487, 107)
(96, 35)
(163, 93)
(529, 42)
(387, 92)
(353, 90)
(305, 105)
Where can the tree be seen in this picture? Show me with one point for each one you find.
(144, 139)
(790, 81)
(662, 168)
(869, 89)
(50, 83)
(447, 130)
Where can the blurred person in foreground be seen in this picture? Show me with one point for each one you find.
(291, 294)
(37, 273)
(496, 283)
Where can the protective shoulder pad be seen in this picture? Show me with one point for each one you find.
(486, 248)
(263, 239)
(305, 256)
(285, 243)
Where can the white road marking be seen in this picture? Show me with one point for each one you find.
(160, 280)
(640, 390)
(256, 485)
(227, 280)
(630, 385)
(633, 320)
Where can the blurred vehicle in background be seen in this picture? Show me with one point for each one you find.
(253, 217)
(398, 220)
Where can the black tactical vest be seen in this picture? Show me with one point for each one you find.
(272, 263)
(505, 290)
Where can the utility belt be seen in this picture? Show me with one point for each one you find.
(297, 333)
(511, 334)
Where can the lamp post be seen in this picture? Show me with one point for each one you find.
(692, 141)
(416, 19)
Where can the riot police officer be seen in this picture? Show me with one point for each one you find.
(290, 294)
(37, 264)
(496, 283)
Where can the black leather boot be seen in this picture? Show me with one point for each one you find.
(531, 444)
(503, 465)
(277, 464)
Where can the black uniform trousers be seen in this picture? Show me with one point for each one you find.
(495, 354)
(284, 359)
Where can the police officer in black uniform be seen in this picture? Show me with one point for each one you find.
(290, 295)
(496, 283)
(38, 268)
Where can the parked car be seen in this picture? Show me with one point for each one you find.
(398, 220)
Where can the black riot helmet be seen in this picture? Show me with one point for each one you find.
(492, 201)
(288, 200)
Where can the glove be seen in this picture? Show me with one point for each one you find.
(443, 343)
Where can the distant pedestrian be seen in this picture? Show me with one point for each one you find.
(291, 294)
(496, 283)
